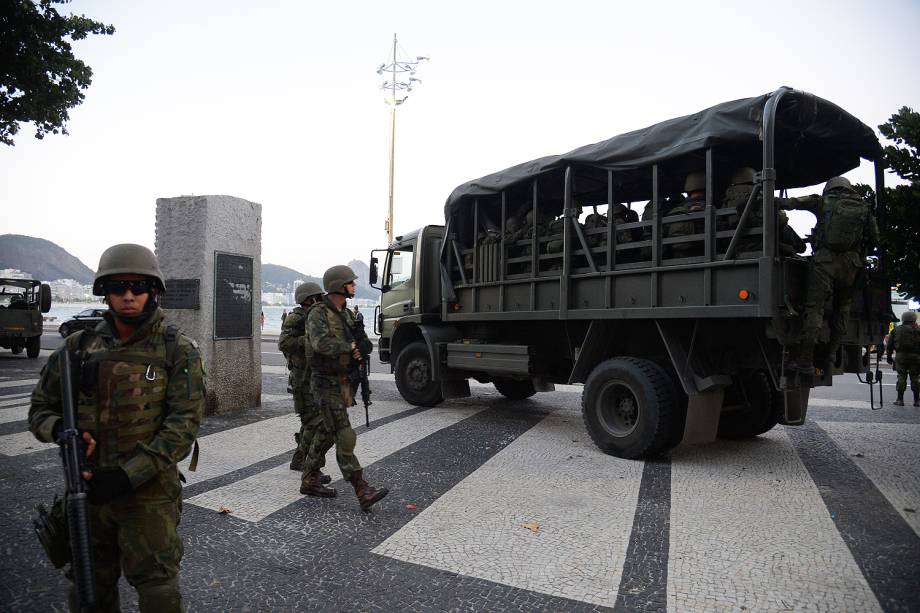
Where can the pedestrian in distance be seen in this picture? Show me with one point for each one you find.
(904, 343)
(337, 346)
(140, 395)
(293, 344)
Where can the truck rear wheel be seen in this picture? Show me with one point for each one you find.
(515, 389)
(17, 349)
(759, 413)
(413, 376)
(628, 407)
(33, 346)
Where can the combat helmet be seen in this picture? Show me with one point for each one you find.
(305, 290)
(695, 182)
(909, 317)
(835, 182)
(124, 259)
(336, 277)
(743, 176)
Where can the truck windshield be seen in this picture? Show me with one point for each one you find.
(399, 268)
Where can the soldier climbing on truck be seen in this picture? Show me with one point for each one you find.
(677, 335)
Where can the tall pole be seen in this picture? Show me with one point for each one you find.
(392, 166)
(397, 93)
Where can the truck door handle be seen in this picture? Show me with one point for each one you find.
(406, 306)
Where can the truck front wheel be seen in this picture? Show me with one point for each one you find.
(628, 407)
(413, 376)
(33, 346)
(514, 389)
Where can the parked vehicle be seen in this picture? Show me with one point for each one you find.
(85, 319)
(676, 336)
(22, 302)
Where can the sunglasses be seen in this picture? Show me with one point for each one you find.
(137, 287)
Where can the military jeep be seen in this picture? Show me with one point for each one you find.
(22, 302)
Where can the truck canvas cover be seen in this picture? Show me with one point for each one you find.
(815, 139)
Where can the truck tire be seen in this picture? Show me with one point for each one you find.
(44, 295)
(760, 414)
(515, 389)
(33, 346)
(17, 349)
(628, 407)
(413, 376)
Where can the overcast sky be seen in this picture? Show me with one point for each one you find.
(278, 103)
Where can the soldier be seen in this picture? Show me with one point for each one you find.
(845, 232)
(695, 186)
(332, 333)
(292, 343)
(736, 197)
(141, 393)
(905, 342)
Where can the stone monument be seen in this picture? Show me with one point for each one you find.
(209, 248)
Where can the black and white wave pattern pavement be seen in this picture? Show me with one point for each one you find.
(499, 505)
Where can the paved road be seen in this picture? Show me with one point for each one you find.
(499, 505)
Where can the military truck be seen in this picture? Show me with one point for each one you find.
(22, 302)
(675, 336)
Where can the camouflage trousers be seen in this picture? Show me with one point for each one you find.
(137, 534)
(310, 418)
(908, 367)
(333, 396)
(831, 276)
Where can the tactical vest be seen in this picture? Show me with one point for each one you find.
(333, 365)
(122, 397)
(843, 223)
(907, 339)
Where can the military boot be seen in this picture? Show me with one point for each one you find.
(900, 400)
(917, 398)
(297, 460)
(311, 485)
(367, 495)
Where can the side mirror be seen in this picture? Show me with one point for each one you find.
(373, 273)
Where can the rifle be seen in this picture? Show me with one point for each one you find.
(73, 454)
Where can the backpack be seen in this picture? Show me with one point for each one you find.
(907, 339)
(845, 220)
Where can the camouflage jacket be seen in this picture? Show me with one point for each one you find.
(141, 405)
(329, 340)
(818, 206)
(905, 340)
(292, 343)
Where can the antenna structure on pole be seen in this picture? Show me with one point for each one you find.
(399, 79)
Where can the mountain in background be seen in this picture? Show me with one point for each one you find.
(41, 258)
(47, 261)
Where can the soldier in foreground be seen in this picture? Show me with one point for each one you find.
(904, 342)
(335, 340)
(846, 231)
(292, 343)
(140, 398)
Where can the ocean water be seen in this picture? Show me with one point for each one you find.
(62, 311)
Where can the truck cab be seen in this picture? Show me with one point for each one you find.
(22, 302)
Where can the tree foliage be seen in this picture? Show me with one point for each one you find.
(40, 78)
(901, 239)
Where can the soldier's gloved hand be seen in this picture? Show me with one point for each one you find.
(889, 359)
(107, 484)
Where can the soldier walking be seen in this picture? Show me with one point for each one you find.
(141, 394)
(292, 343)
(845, 232)
(335, 340)
(904, 342)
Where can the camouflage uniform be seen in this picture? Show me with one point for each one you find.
(293, 344)
(143, 407)
(736, 197)
(904, 342)
(332, 392)
(840, 245)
